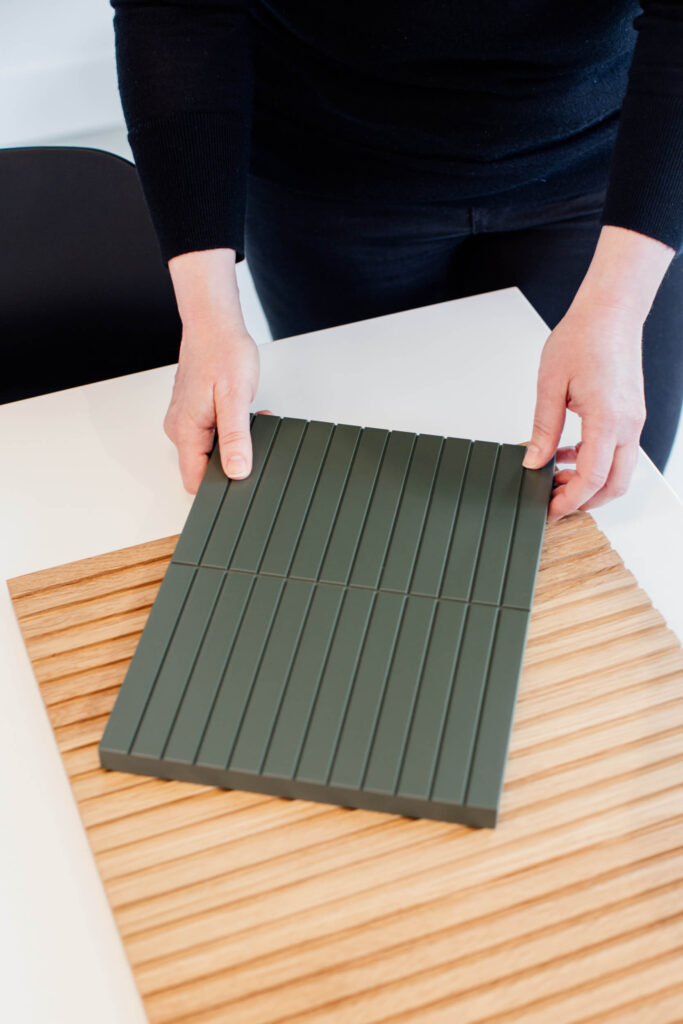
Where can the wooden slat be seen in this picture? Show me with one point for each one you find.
(255, 910)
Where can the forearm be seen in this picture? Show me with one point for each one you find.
(626, 270)
(185, 77)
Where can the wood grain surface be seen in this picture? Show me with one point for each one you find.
(242, 908)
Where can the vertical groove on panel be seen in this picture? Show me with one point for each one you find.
(191, 669)
(287, 676)
(508, 557)
(252, 482)
(321, 676)
(340, 501)
(309, 503)
(425, 533)
(413, 705)
(267, 496)
(174, 627)
(349, 694)
(401, 511)
(314, 538)
(386, 673)
(447, 706)
(454, 520)
(372, 511)
(482, 530)
(282, 496)
(254, 676)
(275, 538)
(345, 572)
(233, 640)
(482, 701)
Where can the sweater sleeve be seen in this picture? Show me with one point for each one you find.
(645, 188)
(185, 78)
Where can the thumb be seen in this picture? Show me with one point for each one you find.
(232, 428)
(549, 416)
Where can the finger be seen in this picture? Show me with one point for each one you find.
(623, 466)
(194, 445)
(563, 455)
(593, 464)
(562, 477)
(549, 415)
(264, 412)
(232, 425)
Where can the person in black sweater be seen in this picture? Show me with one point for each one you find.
(372, 157)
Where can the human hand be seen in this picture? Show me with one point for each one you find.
(591, 364)
(218, 367)
(214, 386)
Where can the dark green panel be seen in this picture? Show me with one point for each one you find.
(197, 702)
(147, 660)
(490, 755)
(354, 506)
(235, 687)
(399, 697)
(271, 679)
(500, 521)
(330, 700)
(443, 508)
(374, 686)
(269, 493)
(321, 514)
(528, 536)
(356, 733)
(205, 509)
(239, 496)
(379, 523)
(405, 540)
(457, 741)
(469, 525)
(432, 700)
(184, 647)
(295, 503)
(295, 710)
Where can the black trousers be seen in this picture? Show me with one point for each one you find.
(318, 262)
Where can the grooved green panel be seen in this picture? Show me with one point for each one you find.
(346, 625)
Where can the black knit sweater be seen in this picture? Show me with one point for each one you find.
(409, 99)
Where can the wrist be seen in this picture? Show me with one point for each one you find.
(205, 286)
(624, 275)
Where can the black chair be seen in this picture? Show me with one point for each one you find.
(84, 292)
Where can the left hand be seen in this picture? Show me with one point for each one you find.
(591, 364)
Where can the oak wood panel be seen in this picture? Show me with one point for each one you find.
(256, 910)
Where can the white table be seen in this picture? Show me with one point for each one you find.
(89, 470)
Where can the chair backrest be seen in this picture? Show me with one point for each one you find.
(84, 292)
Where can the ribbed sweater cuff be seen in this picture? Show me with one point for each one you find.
(193, 171)
(645, 190)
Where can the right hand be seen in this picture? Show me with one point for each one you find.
(218, 367)
(215, 383)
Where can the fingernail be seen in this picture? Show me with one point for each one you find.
(237, 467)
(531, 457)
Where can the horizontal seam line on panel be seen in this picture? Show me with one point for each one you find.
(356, 586)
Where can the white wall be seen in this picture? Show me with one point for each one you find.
(57, 73)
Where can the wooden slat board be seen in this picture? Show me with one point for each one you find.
(254, 910)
